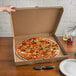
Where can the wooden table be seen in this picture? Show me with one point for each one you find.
(8, 68)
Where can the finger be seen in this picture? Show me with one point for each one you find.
(12, 10)
(13, 7)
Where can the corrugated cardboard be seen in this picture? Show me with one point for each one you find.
(36, 22)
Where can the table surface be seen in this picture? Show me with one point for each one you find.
(8, 67)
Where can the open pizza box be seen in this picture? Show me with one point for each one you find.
(36, 22)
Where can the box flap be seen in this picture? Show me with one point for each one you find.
(36, 20)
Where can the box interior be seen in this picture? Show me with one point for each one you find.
(35, 22)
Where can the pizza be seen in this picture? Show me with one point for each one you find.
(37, 48)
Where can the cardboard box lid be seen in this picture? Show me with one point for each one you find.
(36, 20)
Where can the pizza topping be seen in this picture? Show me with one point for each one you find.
(24, 43)
(37, 48)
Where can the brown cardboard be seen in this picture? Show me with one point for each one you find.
(36, 22)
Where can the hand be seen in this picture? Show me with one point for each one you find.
(9, 9)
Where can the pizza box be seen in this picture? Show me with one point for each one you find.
(36, 22)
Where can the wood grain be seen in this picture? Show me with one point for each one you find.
(8, 68)
(68, 48)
